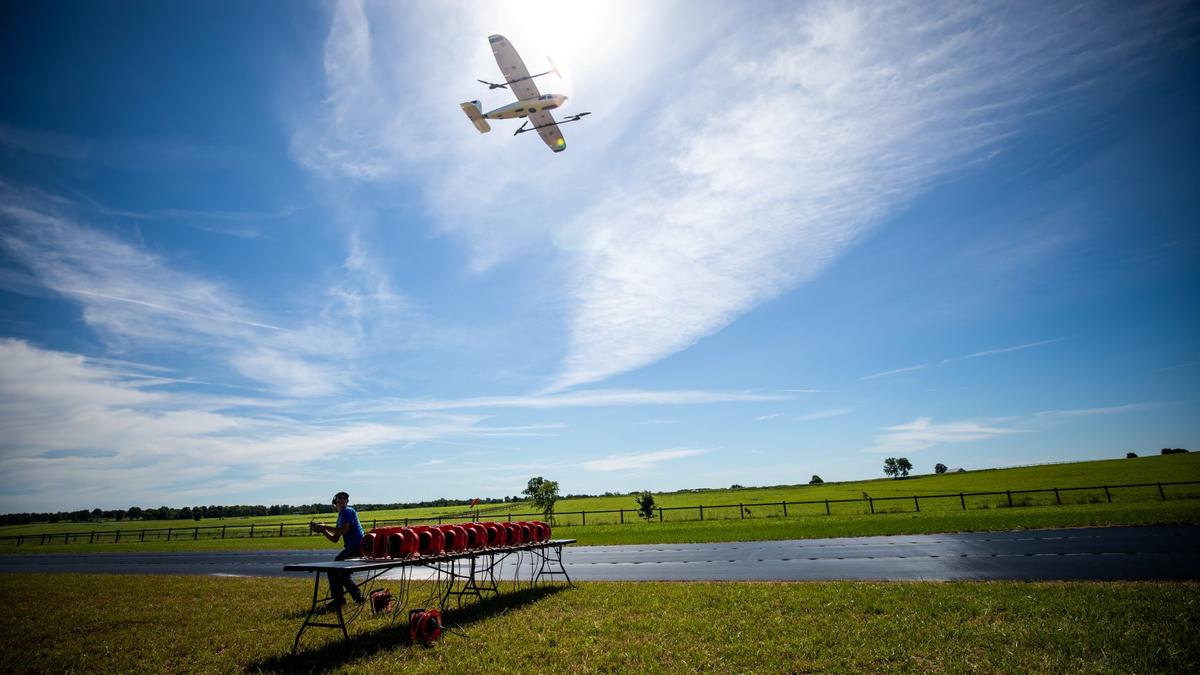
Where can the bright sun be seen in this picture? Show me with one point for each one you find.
(575, 36)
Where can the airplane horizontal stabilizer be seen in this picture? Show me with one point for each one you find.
(473, 111)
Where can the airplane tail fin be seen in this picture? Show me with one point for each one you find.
(475, 113)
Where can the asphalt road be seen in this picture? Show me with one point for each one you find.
(1112, 553)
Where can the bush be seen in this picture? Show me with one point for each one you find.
(816, 480)
(645, 502)
(1131, 455)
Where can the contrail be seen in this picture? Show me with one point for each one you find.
(176, 310)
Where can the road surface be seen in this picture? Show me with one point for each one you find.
(1109, 553)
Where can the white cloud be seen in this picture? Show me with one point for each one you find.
(1016, 348)
(125, 292)
(795, 148)
(923, 433)
(956, 359)
(574, 399)
(824, 414)
(724, 166)
(897, 371)
(77, 432)
(642, 461)
(134, 298)
(287, 374)
(1088, 412)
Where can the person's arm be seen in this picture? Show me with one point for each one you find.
(333, 534)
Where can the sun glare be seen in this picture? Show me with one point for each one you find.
(574, 36)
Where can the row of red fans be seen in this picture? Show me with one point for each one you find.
(384, 543)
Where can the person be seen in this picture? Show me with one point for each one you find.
(350, 532)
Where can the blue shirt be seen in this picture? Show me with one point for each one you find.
(354, 535)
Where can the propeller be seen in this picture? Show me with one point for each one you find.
(575, 118)
(493, 85)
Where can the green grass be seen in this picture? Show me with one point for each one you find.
(86, 624)
(751, 529)
(1132, 506)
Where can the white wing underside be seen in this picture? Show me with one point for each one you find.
(522, 86)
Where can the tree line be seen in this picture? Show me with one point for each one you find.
(217, 511)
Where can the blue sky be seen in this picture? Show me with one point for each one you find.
(256, 253)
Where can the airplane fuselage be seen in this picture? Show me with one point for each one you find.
(527, 107)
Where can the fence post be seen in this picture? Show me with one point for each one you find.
(222, 531)
(916, 503)
(623, 515)
(962, 500)
(1107, 495)
(117, 539)
(827, 508)
(281, 529)
(785, 508)
(169, 533)
(142, 537)
(1057, 499)
(583, 517)
(742, 510)
(90, 537)
(406, 521)
(195, 534)
(1009, 493)
(510, 517)
(251, 530)
(372, 527)
(871, 502)
(660, 514)
(20, 539)
(1161, 493)
(701, 513)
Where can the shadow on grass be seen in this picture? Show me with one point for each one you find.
(336, 652)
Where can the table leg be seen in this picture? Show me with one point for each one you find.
(308, 619)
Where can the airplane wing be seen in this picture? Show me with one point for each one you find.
(549, 130)
(513, 68)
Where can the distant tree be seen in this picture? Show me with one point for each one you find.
(645, 502)
(939, 468)
(543, 493)
(816, 480)
(1131, 455)
(735, 486)
(890, 467)
(904, 466)
(1173, 451)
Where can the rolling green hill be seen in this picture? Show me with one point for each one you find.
(1153, 469)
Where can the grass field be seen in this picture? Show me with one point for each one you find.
(754, 529)
(78, 623)
(1129, 507)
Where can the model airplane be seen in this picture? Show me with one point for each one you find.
(530, 104)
